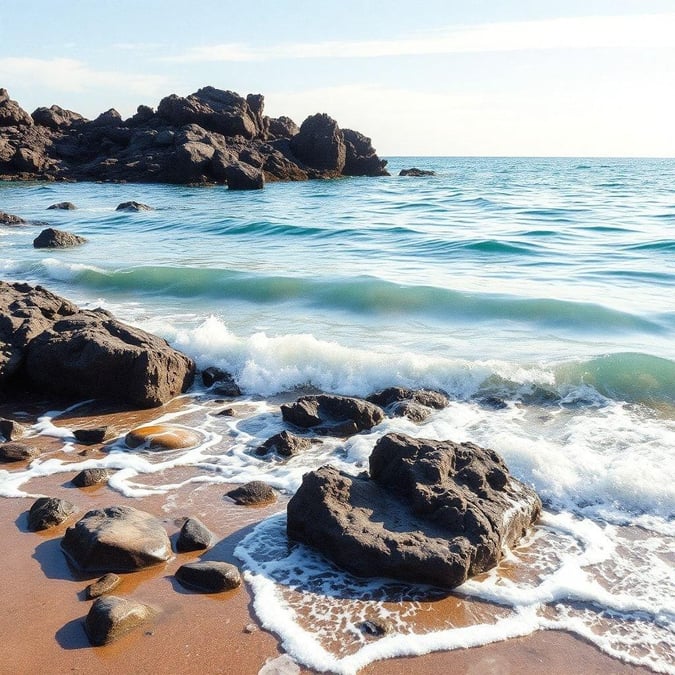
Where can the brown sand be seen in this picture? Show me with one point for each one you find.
(43, 599)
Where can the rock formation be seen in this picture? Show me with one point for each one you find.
(210, 136)
(433, 512)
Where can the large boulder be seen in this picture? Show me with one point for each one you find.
(56, 117)
(332, 415)
(48, 512)
(52, 238)
(360, 156)
(11, 113)
(118, 538)
(320, 144)
(434, 512)
(240, 176)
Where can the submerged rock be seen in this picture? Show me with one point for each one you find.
(162, 437)
(416, 173)
(10, 219)
(94, 435)
(255, 493)
(209, 576)
(193, 536)
(220, 382)
(48, 512)
(332, 415)
(51, 238)
(107, 583)
(285, 444)
(62, 206)
(133, 207)
(434, 512)
(111, 617)
(118, 538)
(415, 404)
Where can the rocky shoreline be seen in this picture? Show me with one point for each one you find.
(209, 137)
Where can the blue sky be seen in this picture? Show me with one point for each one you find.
(545, 77)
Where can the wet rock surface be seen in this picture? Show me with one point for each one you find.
(209, 576)
(94, 435)
(193, 536)
(48, 512)
(415, 404)
(255, 493)
(17, 452)
(162, 437)
(432, 512)
(62, 206)
(51, 238)
(110, 618)
(91, 477)
(416, 173)
(106, 584)
(284, 444)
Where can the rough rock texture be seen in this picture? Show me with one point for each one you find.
(210, 136)
(209, 576)
(62, 206)
(10, 430)
(107, 583)
(415, 404)
(110, 618)
(416, 173)
(221, 381)
(332, 415)
(48, 512)
(285, 444)
(89, 477)
(193, 536)
(94, 435)
(11, 219)
(17, 452)
(118, 538)
(432, 512)
(51, 238)
(133, 207)
(48, 344)
(252, 494)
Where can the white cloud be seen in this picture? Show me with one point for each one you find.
(642, 30)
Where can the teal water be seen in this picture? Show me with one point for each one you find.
(538, 293)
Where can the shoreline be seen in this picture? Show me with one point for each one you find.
(45, 607)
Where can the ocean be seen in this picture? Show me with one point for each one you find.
(537, 293)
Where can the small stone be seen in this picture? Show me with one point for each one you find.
(108, 582)
(377, 627)
(226, 412)
(89, 477)
(252, 494)
(93, 436)
(209, 576)
(133, 206)
(62, 206)
(11, 429)
(194, 536)
(111, 617)
(285, 444)
(250, 628)
(162, 437)
(48, 512)
(17, 452)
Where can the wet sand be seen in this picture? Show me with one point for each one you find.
(44, 604)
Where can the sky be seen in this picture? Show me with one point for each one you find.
(431, 77)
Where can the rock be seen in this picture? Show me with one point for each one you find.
(62, 206)
(332, 415)
(48, 512)
(282, 127)
(212, 374)
(107, 583)
(133, 206)
(110, 618)
(221, 381)
(17, 452)
(29, 160)
(109, 118)
(433, 512)
(320, 144)
(90, 477)
(118, 538)
(51, 238)
(56, 117)
(241, 176)
(94, 436)
(255, 493)
(11, 429)
(415, 404)
(11, 113)
(360, 156)
(416, 173)
(377, 627)
(162, 437)
(193, 536)
(282, 665)
(285, 444)
(9, 219)
(90, 354)
(209, 576)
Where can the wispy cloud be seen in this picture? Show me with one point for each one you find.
(642, 30)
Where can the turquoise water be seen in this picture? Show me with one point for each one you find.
(538, 293)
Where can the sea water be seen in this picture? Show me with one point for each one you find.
(537, 293)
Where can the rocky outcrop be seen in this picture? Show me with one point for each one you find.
(415, 404)
(52, 238)
(210, 136)
(434, 512)
(118, 538)
(110, 618)
(332, 415)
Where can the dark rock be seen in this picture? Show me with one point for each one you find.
(51, 238)
(90, 477)
(332, 415)
(9, 219)
(377, 627)
(17, 452)
(92, 355)
(48, 512)
(415, 404)
(110, 618)
(285, 444)
(11, 113)
(107, 583)
(221, 381)
(118, 538)
(144, 113)
(282, 127)
(241, 176)
(29, 160)
(432, 512)
(416, 173)
(493, 402)
(94, 436)
(56, 118)
(133, 206)
(360, 156)
(63, 206)
(209, 576)
(11, 430)
(320, 144)
(109, 118)
(252, 494)
(212, 374)
(193, 536)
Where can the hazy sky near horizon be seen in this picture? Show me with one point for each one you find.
(438, 77)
